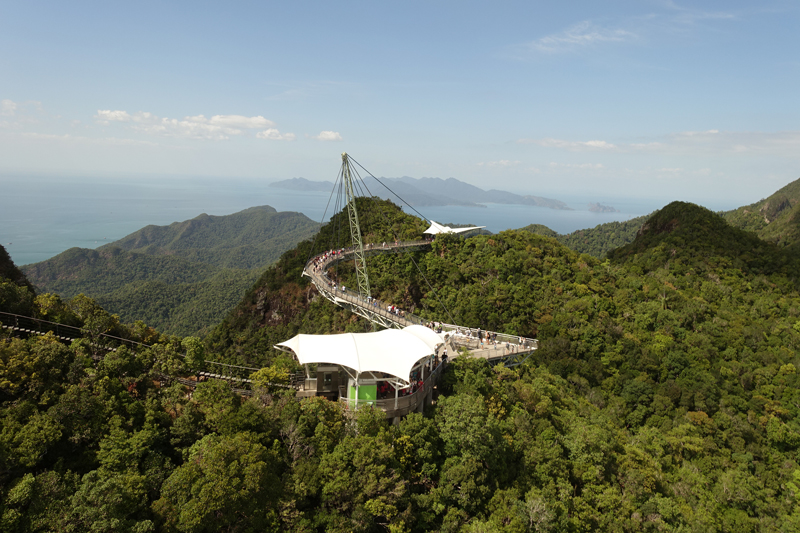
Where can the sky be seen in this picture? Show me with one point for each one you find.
(693, 101)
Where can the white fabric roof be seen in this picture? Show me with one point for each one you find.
(437, 228)
(391, 351)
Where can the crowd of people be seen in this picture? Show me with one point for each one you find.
(416, 383)
(484, 339)
(322, 259)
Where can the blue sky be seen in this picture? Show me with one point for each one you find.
(695, 101)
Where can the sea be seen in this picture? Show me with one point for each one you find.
(42, 216)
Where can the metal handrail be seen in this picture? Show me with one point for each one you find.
(63, 331)
(401, 402)
(313, 269)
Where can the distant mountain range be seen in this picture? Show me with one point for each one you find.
(597, 241)
(596, 207)
(252, 238)
(179, 278)
(774, 219)
(428, 192)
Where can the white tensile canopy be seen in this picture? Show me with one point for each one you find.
(437, 228)
(392, 351)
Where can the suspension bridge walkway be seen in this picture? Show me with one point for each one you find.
(459, 341)
(493, 346)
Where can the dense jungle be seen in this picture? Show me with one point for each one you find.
(663, 397)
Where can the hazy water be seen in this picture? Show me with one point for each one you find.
(42, 216)
(499, 217)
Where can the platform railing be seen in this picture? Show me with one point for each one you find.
(467, 337)
(404, 404)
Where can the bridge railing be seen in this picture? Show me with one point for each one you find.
(37, 326)
(405, 403)
(465, 336)
(460, 335)
(339, 254)
(316, 269)
(40, 326)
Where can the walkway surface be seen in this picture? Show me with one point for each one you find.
(512, 349)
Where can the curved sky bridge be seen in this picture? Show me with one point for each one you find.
(407, 394)
(452, 340)
(511, 349)
(412, 388)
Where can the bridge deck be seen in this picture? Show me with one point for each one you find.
(508, 348)
(511, 348)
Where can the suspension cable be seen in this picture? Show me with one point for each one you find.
(423, 217)
(391, 229)
(314, 242)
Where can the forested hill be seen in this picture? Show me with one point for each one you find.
(597, 241)
(776, 218)
(10, 272)
(678, 357)
(663, 397)
(693, 237)
(282, 303)
(182, 278)
(16, 292)
(252, 238)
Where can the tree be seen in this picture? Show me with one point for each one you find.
(195, 353)
(270, 379)
(109, 502)
(227, 484)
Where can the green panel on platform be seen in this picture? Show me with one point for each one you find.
(365, 392)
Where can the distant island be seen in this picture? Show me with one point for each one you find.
(600, 208)
(432, 192)
(302, 184)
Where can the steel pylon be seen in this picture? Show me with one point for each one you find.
(355, 229)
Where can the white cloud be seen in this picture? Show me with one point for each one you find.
(20, 114)
(668, 19)
(218, 127)
(501, 163)
(328, 136)
(708, 142)
(78, 139)
(646, 146)
(696, 133)
(584, 166)
(274, 135)
(8, 108)
(569, 145)
(689, 16)
(578, 36)
(104, 116)
(235, 121)
(780, 143)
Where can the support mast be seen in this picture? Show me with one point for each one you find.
(355, 230)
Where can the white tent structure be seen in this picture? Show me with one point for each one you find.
(437, 228)
(391, 351)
